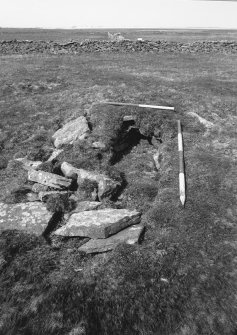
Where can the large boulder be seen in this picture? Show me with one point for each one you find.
(71, 131)
(32, 217)
(129, 235)
(99, 224)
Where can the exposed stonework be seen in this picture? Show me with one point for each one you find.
(128, 235)
(71, 131)
(32, 217)
(98, 224)
(106, 186)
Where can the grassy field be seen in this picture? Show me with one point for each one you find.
(63, 35)
(181, 280)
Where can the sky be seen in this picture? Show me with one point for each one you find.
(119, 13)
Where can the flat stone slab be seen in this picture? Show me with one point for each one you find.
(100, 223)
(128, 235)
(32, 217)
(48, 179)
(75, 130)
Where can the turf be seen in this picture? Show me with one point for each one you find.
(181, 280)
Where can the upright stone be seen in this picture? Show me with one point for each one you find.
(32, 217)
(71, 131)
(99, 224)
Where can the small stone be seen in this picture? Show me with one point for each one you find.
(39, 188)
(155, 141)
(55, 154)
(32, 197)
(157, 159)
(28, 164)
(98, 145)
(49, 179)
(32, 217)
(129, 118)
(99, 224)
(72, 131)
(129, 235)
(206, 123)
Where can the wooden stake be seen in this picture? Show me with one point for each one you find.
(137, 105)
(181, 165)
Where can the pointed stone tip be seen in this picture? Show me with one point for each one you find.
(182, 199)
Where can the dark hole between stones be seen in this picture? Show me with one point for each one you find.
(125, 142)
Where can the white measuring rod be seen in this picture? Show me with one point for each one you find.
(138, 105)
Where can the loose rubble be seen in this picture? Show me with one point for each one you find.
(124, 46)
(65, 197)
(98, 224)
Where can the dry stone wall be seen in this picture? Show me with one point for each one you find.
(88, 46)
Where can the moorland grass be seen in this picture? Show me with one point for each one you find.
(181, 280)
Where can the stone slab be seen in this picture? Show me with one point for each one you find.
(32, 217)
(128, 235)
(100, 223)
(72, 131)
(48, 179)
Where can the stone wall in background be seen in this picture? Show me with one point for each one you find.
(89, 46)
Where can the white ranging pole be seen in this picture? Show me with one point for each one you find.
(181, 165)
(138, 105)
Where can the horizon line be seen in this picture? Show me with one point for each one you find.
(136, 28)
